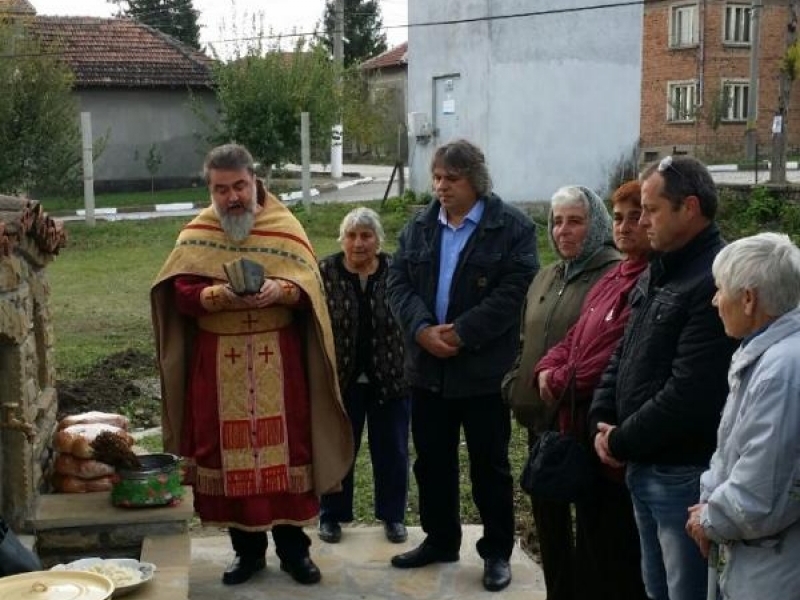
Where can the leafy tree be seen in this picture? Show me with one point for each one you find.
(152, 162)
(363, 30)
(176, 18)
(40, 142)
(261, 93)
(369, 116)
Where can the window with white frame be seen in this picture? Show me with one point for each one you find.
(683, 25)
(737, 24)
(682, 101)
(734, 100)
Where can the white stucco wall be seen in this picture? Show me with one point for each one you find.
(135, 119)
(552, 99)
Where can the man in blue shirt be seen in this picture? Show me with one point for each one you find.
(456, 286)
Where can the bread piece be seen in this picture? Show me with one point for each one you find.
(68, 484)
(82, 468)
(76, 439)
(95, 417)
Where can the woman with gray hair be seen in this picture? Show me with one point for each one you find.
(579, 230)
(750, 495)
(369, 358)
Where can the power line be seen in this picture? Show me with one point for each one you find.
(539, 13)
(527, 14)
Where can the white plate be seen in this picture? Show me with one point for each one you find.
(144, 570)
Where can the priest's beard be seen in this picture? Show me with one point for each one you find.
(237, 227)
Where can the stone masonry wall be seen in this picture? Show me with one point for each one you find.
(28, 401)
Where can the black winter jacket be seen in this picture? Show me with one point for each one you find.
(666, 383)
(489, 284)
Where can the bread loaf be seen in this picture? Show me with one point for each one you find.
(95, 417)
(76, 439)
(68, 484)
(82, 468)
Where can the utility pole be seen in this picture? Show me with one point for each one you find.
(751, 132)
(777, 170)
(337, 134)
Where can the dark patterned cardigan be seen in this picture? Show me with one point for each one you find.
(387, 338)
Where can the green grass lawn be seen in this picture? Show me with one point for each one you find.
(100, 301)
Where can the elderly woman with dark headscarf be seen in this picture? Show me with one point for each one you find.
(607, 558)
(579, 228)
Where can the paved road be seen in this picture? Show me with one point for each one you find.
(793, 176)
(365, 192)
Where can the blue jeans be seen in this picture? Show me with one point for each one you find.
(672, 566)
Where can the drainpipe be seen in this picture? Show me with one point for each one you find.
(701, 60)
(751, 132)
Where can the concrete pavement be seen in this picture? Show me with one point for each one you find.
(358, 567)
(369, 184)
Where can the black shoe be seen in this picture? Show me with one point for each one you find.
(395, 532)
(330, 531)
(302, 570)
(242, 569)
(422, 555)
(496, 574)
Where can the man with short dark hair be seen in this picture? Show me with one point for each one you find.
(456, 286)
(249, 390)
(659, 401)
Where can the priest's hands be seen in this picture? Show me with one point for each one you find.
(271, 292)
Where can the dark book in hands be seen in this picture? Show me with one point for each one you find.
(244, 275)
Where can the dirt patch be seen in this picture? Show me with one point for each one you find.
(125, 383)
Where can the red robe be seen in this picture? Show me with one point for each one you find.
(250, 397)
(250, 496)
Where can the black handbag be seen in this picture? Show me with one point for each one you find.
(14, 557)
(559, 467)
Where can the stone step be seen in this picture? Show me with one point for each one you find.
(73, 526)
(172, 555)
(58, 511)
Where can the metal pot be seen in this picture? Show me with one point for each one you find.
(156, 483)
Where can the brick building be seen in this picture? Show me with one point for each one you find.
(696, 74)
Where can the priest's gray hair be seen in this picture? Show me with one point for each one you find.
(228, 157)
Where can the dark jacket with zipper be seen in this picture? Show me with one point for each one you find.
(488, 286)
(666, 383)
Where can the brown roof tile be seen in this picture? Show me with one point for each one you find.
(121, 52)
(394, 57)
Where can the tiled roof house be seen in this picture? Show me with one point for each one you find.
(387, 74)
(138, 84)
(122, 53)
(393, 58)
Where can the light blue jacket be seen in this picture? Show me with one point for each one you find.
(752, 486)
